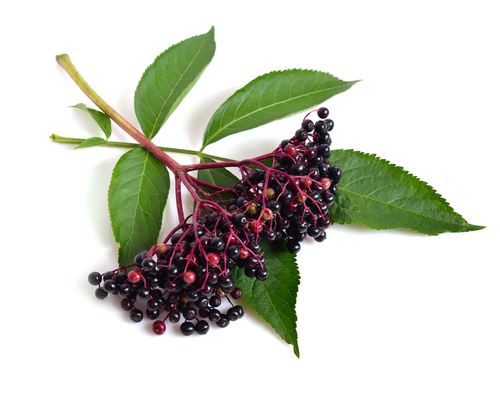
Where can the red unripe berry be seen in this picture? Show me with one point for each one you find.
(290, 149)
(236, 293)
(256, 226)
(305, 183)
(244, 253)
(159, 327)
(193, 259)
(326, 183)
(134, 276)
(230, 239)
(181, 248)
(292, 206)
(189, 277)
(213, 258)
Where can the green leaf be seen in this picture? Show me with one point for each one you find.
(274, 299)
(382, 195)
(137, 196)
(220, 177)
(95, 141)
(100, 118)
(166, 82)
(270, 97)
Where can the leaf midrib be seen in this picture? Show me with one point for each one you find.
(402, 209)
(139, 195)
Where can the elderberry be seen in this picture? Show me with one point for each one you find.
(95, 278)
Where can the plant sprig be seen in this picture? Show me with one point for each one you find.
(373, 191)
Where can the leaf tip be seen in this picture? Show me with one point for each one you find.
(296, 351)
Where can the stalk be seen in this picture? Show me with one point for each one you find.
(164, 158)
(77, 141)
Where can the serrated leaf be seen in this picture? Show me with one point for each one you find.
(169, 78)
(89, 142)
(270, 97)
(137, 196)
(220, 177)
(382, 195)
(100, 118)
(275, 298)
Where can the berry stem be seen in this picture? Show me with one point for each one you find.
(178, 198)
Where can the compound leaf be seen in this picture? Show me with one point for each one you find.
(169, 78)
(270, 97)
(382, 195)
(274, 299)
(137, 196)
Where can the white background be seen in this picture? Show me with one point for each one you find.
(389, 311)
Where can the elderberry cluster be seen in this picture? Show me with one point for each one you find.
(298, 190)
(188, 277)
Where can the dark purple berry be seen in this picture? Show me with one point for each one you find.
(233, 314)
(223, 321)
(153, 304)
(152, 314)
(301, 135)
(95, 278)
(261, 273)
(323, 113)
(214, 315)
(187, 328)
(320, 127)
(293, 246)
(143, 293)
(202, 327)
(215, 301)
(136, 315)
(329, 124)
(308, 125)
(100, 293)
(335, 174)
(148, 263)
(189, 313)
(240, 310)
(127, 304)
(174, 316)
(320, 237)
(110, 286)
(217, 244)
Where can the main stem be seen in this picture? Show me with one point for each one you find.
(68, 66)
